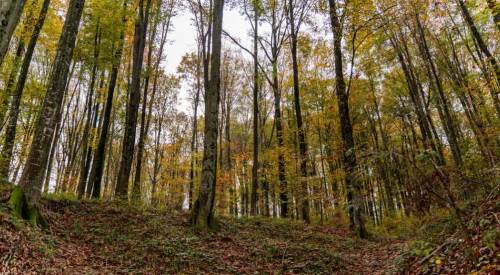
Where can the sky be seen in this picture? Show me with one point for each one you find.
(182, 40)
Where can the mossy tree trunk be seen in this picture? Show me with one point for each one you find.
(30, 185)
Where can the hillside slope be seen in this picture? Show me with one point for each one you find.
(106, 238)
(112, 238)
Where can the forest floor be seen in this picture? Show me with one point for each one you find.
(110, 238)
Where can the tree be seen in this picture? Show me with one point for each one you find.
(10, 131)
(96, 171)
(202, 213)
(276, 19)
(256, 142)
(24, 198)
(141, 26)
(293, 12)
(349, 155)
(86, 149)
(146, 112)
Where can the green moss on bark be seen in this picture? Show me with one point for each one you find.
(21, 209)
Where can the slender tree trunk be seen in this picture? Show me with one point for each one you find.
(82, 183)
(443, 105)
(194, 136)
(10, 131)
(255, 164)
(202, 214)
(304, 203)
(96, 172)
(136, 188)
(90, 151)
(484, 49)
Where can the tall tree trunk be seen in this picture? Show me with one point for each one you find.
(96, 172)
(10, 13)
(349, 156)
(90, 151)
(33, 174)
(136, 187)
(255, 164)
(304, 203)
(141, 26)
(202, 214)
(82, 182)
(194, 134)
(229, 161)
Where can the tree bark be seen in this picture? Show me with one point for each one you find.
(304, 200)
(202, 214)
(10, 131)
(82, 182)
(33, 174)
(96, 172)
(255, 164)
(134, 100)
(349, 156)
(194, 134)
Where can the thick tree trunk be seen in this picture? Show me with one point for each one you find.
(353, 186)
(202, 214)
(33, 174)
(10, 13)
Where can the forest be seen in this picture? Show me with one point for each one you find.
(249, 137)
